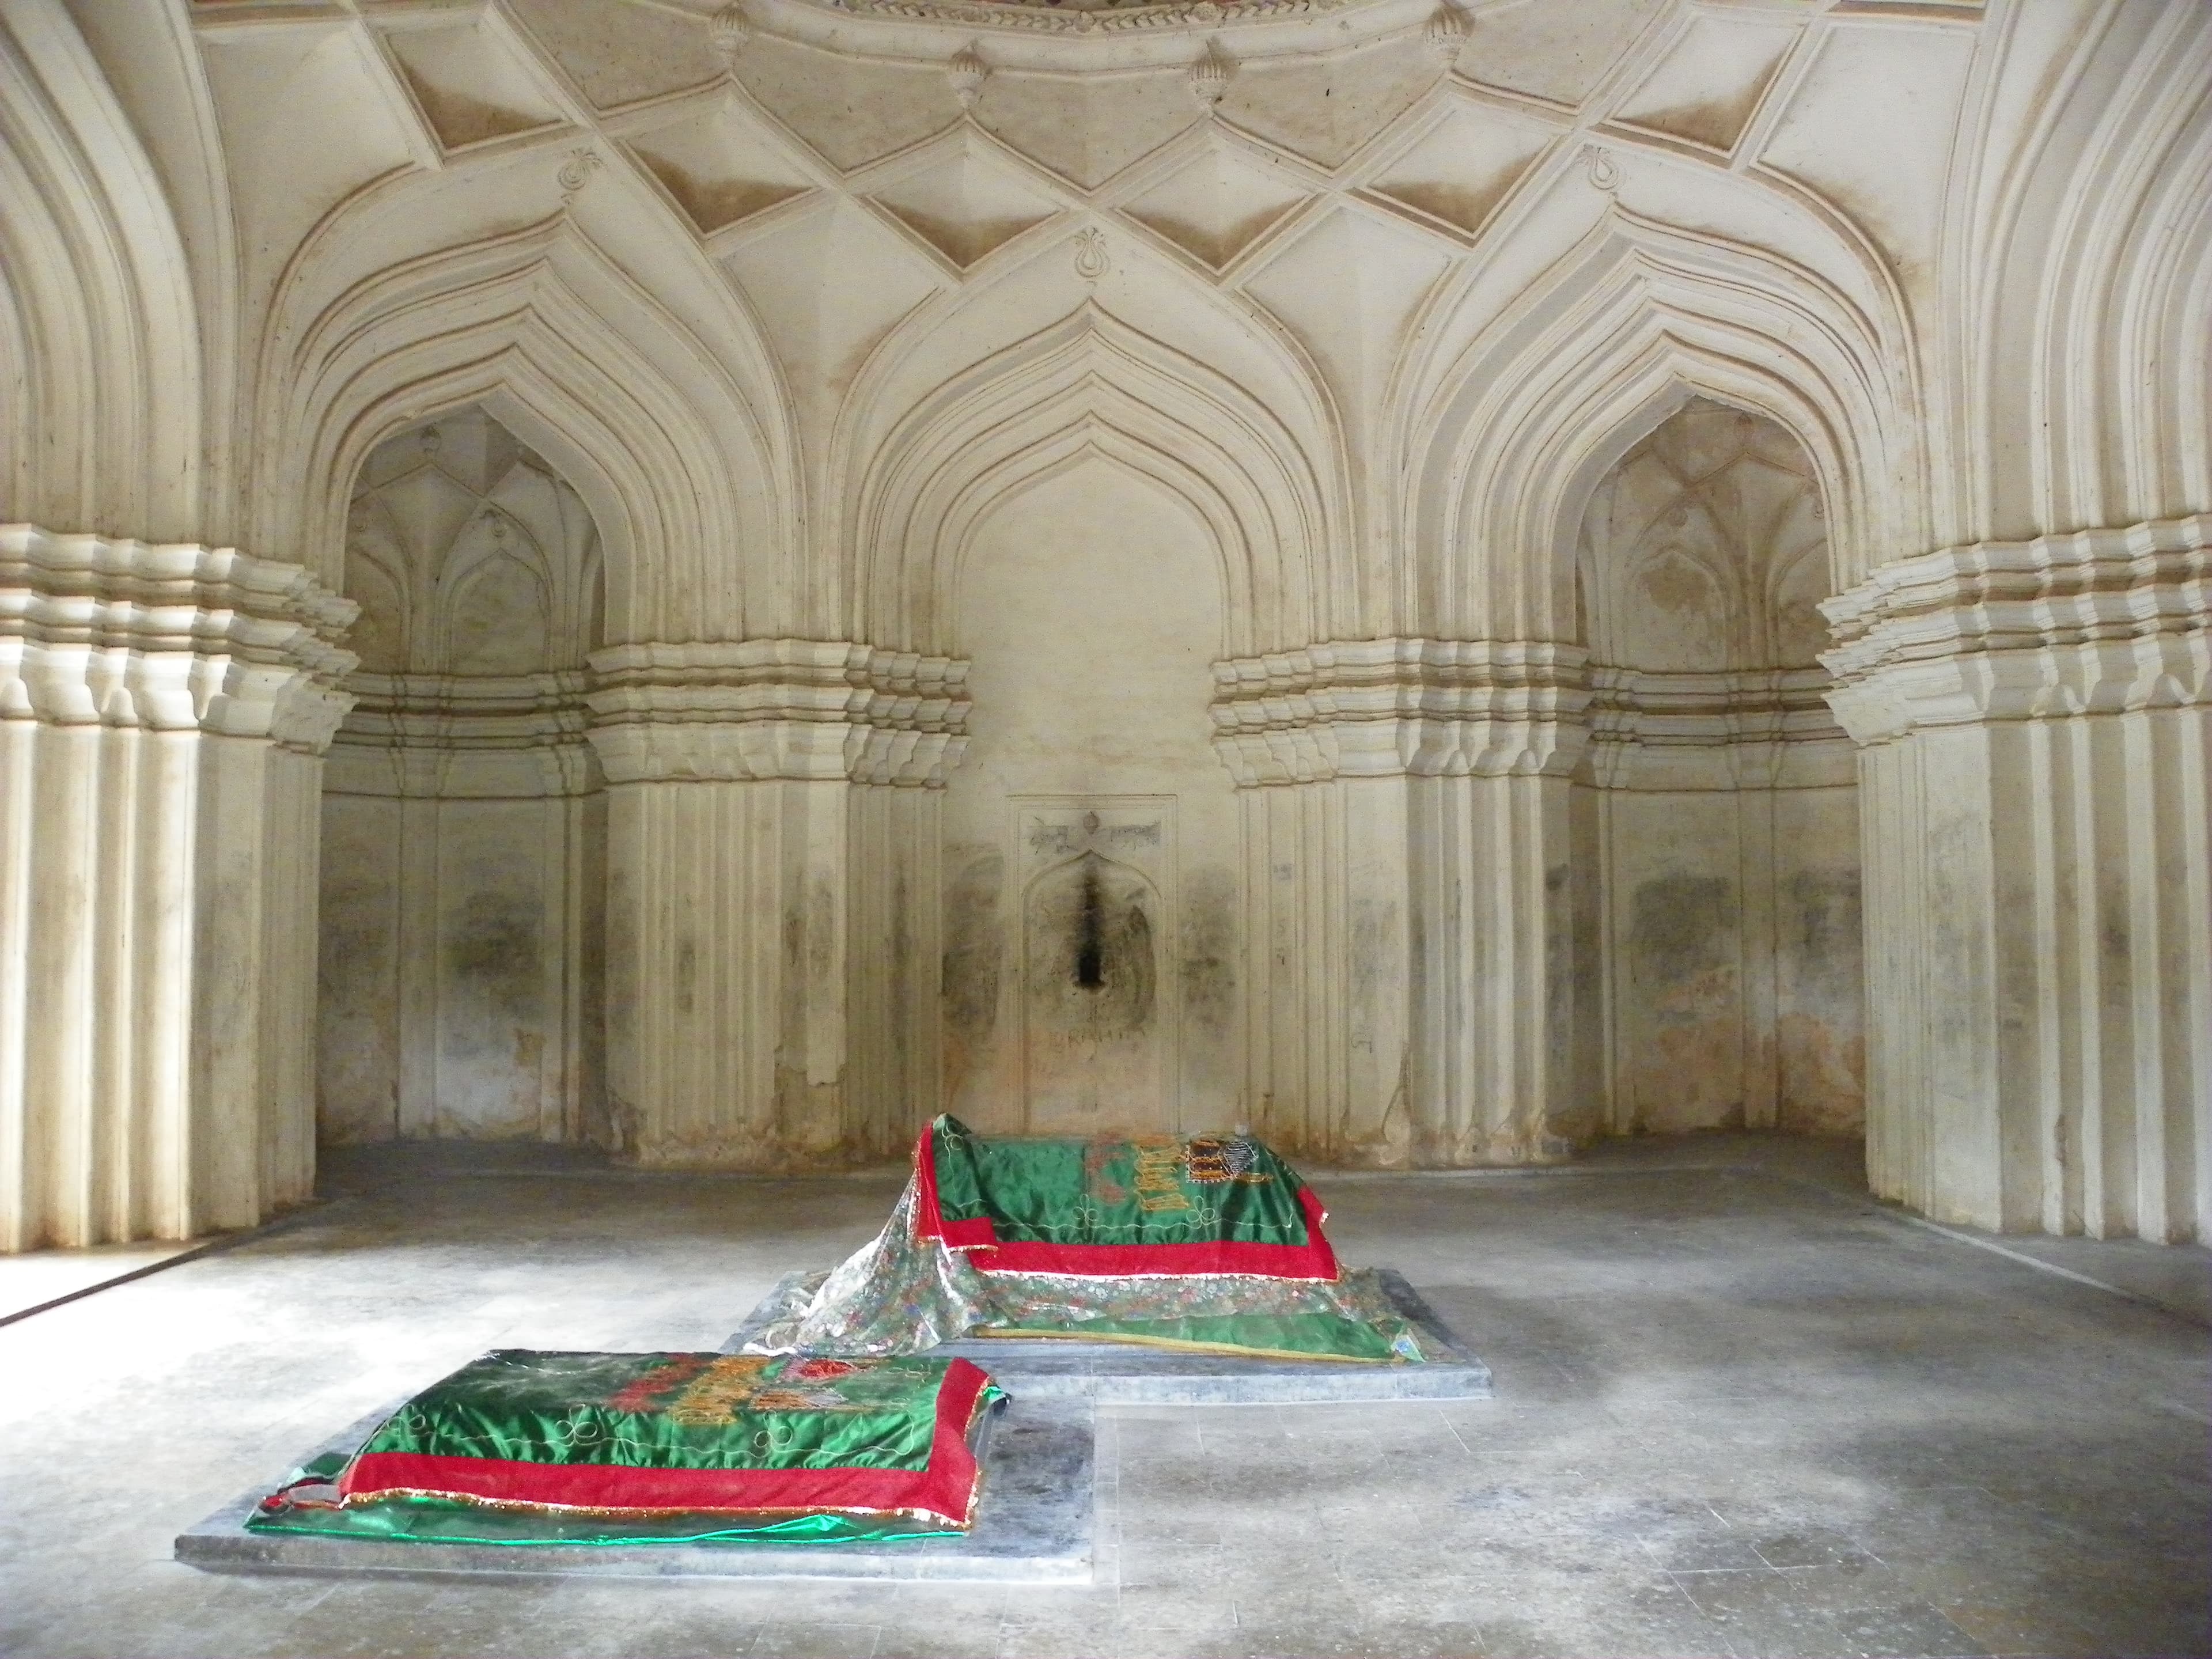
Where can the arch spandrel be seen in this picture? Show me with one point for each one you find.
(1090, 380)
(549, 334)
(1553, 391)
(109, 410)
(1091, 437)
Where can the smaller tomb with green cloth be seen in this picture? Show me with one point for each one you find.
(1211, 1243)
(523, 1447)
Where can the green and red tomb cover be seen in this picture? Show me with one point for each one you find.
(1208, 1242)
(522, 1447)
(832, 1427)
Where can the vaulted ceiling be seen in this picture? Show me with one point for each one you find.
(1411, 273)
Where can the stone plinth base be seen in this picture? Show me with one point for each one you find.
(1033, 1525)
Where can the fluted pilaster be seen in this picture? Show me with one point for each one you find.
(2036, 790)
(163, 710)
(772, 918)
(1410, 997)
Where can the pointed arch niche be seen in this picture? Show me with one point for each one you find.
(1091, 834)
(464, 819)
(1714, 817)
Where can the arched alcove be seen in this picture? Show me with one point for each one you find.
(463, 827)
(1715, 816)
(1090, 834)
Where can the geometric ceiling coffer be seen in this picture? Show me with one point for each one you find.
(1218, 203)
(966, 203)
(719, 167)
(1707, 87)
(470, 85)
(1463, 169)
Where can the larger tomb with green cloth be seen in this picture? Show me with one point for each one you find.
(1210, 1247)
(1161, 1206)
(520, 1447)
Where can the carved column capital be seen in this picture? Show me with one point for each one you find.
(1400, 706)
(457, 736)
(168, 637)
(2094, 621)
(802, 709)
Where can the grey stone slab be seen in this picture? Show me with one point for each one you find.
(1125, 1374)
(1033, 1525)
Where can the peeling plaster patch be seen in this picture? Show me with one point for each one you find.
(493, 953)
(1209, 952)
(1819, 1042)
(821, 934)
(358, 982)
(975, 943)
(490, 1003)
(1823, 930)
(1680, 928)
(1823, 1077)
(1688, 1069)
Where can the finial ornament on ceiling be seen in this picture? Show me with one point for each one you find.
(1091, 260)
(1604, 171)
(967, 71)
(1210, 74)
(1445, 35)
(729, 32)
(576, 171)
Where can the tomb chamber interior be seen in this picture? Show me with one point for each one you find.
(1446, 582)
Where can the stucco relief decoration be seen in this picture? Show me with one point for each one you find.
(1209, 76)
(1444, 35)
(1097, 918)
(729, 32)
(576, 173)
(1092, 260)
(967, 72)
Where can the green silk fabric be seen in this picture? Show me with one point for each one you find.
(435, 1521)
(1125, 1192)
(672, 1411)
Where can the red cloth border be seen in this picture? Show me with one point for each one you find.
(1312, 1259)
(946, 1487)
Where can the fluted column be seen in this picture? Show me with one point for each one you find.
(2035, 792)
(163, 711)
(1411, 987)
(772, 953)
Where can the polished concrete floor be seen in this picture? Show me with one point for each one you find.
(1741, 1411)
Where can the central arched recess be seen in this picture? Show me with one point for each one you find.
(1714, 815)
(464, 815)
(1091, 834)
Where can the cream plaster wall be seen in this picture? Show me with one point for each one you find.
(464, 829)
(809, 313)
(1715, 814)
(1090, 611)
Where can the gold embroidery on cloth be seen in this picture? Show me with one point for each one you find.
(1214, 1160)
(715, 1396)
(1158, 1178)
(803, 1400)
